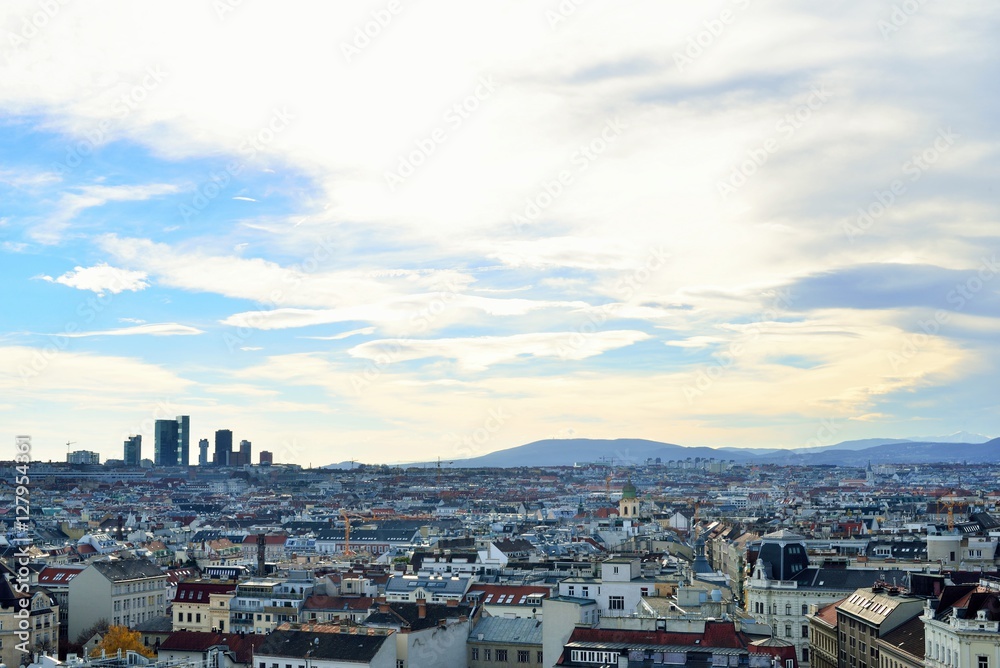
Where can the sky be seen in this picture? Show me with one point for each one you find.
(396, 231)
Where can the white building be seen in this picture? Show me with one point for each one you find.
(618, 591)
(123, 591)
(965, 635)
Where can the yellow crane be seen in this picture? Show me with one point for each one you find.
(347, 530)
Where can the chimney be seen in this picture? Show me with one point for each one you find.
(421, 608)
(452, 602)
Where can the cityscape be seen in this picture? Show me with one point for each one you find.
(534, 334)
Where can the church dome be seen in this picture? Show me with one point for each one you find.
(629, 491)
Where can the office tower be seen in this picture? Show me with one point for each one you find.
(203, 452)
(223, 447)
(245, 457)
(165, 442)
(266, 458)
(133, 450)
(183, 439)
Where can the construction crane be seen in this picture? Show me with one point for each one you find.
(439, 470)
(607, 485)
(950, 504)
(69, 443)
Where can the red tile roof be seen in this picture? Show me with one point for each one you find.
(507, 594)
(200, 641)
(717, 634)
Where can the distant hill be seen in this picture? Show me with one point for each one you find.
(957, 437)
(635, 451)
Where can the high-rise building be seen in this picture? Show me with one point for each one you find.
(203, 452)
(266, 458)
(184, 439)
(165, 442)
(223, 447)
(83, 457)
(245, 457)
(133, 450)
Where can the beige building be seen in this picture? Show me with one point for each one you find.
(823, 638)
(32, 613)
(965, 634)
(499, 642)
(125, 592)
(202, 605)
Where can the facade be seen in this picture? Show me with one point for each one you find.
(497, 642)
(32, 612)
(783, 586)
(824, 643)
(903, 647)
(125, 592)
(183, 440)
(83, 457)
(429, 588)
(262, 604)
(867, 615)
(165, 442)
(223, 447)
(202, 606)
(965, 633)
(133, 450)
(266, 458)
(55, 580)
(618, 591)
(203, 452)
(426, 634)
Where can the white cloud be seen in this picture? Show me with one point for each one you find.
(481, 352)
(50, 231)
(153, 329)
(343, 335)
(102, 278)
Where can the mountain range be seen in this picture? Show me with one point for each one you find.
(952, 448)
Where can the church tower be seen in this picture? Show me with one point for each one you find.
(628, 507)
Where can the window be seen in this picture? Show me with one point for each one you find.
(189, 617)
(502, 655)
(571, 591)
(475, 654)
(616, 602)
(805, 630)
(805, 653)
(788, 609)
(788, 630)
(522, 656)
(197, 618)
(805, 609)
(180, 616)
(487, 654)
(789, 663)
(400, 663)
(538, 657)
(983, 661)
(585, 592)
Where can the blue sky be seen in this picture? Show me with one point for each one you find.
(724, 224)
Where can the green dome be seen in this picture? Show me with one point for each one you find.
(629, 491)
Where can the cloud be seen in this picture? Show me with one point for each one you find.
(480, 353)
(102, 278)
(343, 335)
(50, 230)
(155, 329)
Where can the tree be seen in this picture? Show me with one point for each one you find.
(121, 638)
(100, 626)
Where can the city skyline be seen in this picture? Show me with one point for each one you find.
(400, 233)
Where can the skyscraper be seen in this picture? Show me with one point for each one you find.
(165, 442)
(223, 446)
(184, 439)
(245, 453)
(133, 450)
(203, 452)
